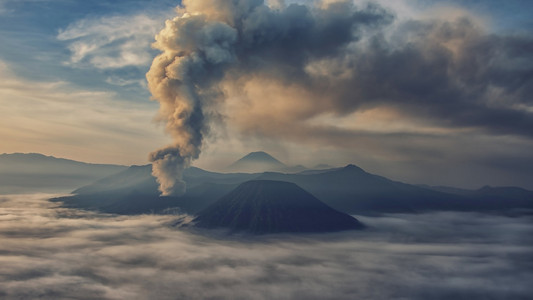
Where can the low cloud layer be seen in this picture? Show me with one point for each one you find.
(50, 253)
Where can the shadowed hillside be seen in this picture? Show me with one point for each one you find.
(135, 191)
(263, 206)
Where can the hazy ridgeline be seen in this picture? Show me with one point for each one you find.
(49, 252)
(22, 173)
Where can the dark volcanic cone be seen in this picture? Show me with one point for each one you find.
(264, 206)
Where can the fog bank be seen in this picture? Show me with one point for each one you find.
(51, 253)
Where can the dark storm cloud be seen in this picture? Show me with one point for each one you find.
(452, 71)
(446, 72)
(89, 256)
(284, 42)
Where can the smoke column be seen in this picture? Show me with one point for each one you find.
(210, 38)
(194, 51)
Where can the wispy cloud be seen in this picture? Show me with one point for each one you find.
(62, 119)
(45, 251)
(112, 42)
(3, 6)
(116, 80)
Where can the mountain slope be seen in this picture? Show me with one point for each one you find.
(352, 190)
(32, 172)
(264, 206)
(349, 189)
(135, 191)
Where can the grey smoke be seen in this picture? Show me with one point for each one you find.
(202, 45)
(449, 72)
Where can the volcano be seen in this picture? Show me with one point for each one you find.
(256, 162)
(265, 206)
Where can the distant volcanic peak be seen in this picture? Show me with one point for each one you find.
(260, 156)
(267, 206)
(353, 168)
(257, 162)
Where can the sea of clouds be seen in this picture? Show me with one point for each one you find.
(48, 252)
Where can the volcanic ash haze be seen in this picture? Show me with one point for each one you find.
(326, 58)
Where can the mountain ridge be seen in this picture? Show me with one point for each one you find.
(35, 172)
(348, 189)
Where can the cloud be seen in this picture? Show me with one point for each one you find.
(446, 73)
(51, 253)
(116, 80)
(3, 8)
(111, 42)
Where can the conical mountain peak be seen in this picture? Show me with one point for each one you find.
(256, 162)
(260, 156)
(268, 206)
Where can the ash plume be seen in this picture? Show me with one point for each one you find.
(210, 40)
(195, 51)
(280, 65)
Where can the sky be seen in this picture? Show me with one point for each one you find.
(433, 92)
